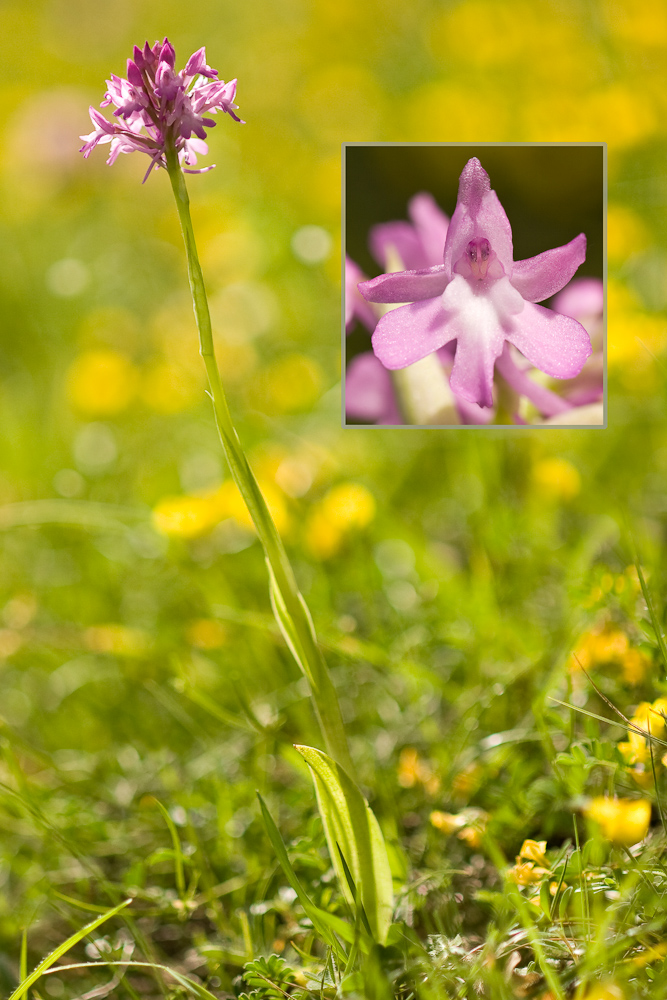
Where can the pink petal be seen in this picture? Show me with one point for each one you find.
(369, 392)
(546, 401)
(472, 374)
(355, 304)
(555, 344)
(406, 286)
(582, 297)
(402, 238)
(406, 334)
(431, 224)
(539, 277)
(472, 413)
(478, 213)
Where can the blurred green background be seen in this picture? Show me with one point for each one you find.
(448, 573)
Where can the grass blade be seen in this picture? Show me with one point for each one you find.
(312, 911)
(47, 962)
(178, 854)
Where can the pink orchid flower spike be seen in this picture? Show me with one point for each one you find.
(157, 107)
(481, 297)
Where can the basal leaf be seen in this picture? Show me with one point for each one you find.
(349, 824)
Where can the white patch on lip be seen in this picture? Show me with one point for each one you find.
(481, 312)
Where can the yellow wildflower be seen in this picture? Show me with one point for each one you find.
(649, 955)
(206, 633)
(526, 873)
(556, 478)
(290, 384)
(635, 749)
(349, 505)
(409, 767)
(101, 383)
(345, 508)
(471, 836)
(467, 781)
(533, 850)
(531, 863)
(623, 821)
(117, 639)
(412, 769)
(446, 822)
(609, 645)
(169, 388)
(468, 825)
(651, 717)
(184, 516)
(604, 991)
(635, 664)
(659, 716)
(228, 502)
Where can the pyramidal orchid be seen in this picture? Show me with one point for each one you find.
(481, 298)
(157, 107)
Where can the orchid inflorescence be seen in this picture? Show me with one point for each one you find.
(156, 106)
(464, 299)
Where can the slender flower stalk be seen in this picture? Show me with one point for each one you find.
(161, 110)
(289, 607)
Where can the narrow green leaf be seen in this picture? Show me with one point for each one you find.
(359, 912)
(23, 962)
(657, 628)
(189, 985)
(51, 959)
(322, 926)
(288, 626)
(178, 854)
(349, 822)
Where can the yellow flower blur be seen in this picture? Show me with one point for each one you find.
(468, 825)
(534, 850)
(184, 516)
(526, 873)
(167, 388)
(206, 633)
(227, 502)
(413, 770)
(622, 821)
(345, 508)
(556, 478)
(604, 991)
(101, 383)
(117, 639)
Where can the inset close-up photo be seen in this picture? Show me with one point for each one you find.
(474, 285)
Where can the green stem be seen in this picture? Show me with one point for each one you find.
(289, 607)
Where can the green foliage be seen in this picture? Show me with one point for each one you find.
(356, 845)
(269, 978)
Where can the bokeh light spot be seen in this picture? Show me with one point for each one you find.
(67, 277)
(311, 244)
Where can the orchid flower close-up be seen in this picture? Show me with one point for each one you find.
(482, 299)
